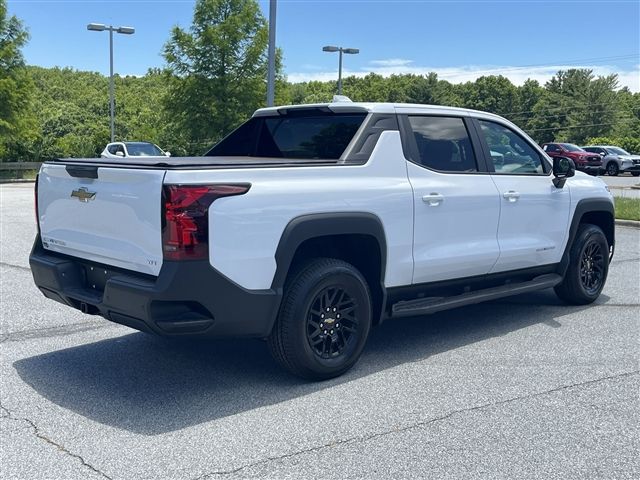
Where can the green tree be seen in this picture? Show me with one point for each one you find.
(577, 105)
(629, 114)
(216, 71)
(495, 94)
(16, 120)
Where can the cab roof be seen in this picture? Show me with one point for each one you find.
(345, 106)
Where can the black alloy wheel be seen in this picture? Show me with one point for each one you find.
(324, 319)
(613, 169)
(332, 323)
(588, 267)
(592, 264)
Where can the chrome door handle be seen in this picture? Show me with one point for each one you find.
(511, 196)
(433, 199)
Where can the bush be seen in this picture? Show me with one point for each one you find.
(630, 144)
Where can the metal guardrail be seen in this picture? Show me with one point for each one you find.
(18, 166)
(14, 171)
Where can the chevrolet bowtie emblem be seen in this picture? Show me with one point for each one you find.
(83, 194)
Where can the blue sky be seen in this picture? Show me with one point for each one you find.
(460, 40)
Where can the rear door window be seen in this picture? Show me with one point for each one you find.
(318, 136)
(442, 143)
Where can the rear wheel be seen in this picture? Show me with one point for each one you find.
(635, 174)
(324, 320)
(613, 169)
(588, 267)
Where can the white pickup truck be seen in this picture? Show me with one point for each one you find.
(310, 224)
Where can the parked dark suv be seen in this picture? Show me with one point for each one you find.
(585, 161)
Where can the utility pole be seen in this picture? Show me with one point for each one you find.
(99, 27)
(271, 75)
(340, 50)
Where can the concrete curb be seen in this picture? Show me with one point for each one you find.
(628, 223)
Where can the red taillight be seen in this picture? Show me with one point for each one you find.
(35, 203)
(185, 226)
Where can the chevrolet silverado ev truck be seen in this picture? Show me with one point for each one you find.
(310, 224)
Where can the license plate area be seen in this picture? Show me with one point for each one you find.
(96, 277)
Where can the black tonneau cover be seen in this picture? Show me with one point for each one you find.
(177, 163)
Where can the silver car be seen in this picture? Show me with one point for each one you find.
(615, 160)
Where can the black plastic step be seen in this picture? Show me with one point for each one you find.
(424, 306)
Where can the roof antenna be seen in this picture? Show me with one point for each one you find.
(341, 98)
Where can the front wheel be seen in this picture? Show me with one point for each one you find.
(613, 169)
(635, 174)
(588, 267)
(324, 320)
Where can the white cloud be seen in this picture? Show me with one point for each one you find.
(518, 75)
(391, 62)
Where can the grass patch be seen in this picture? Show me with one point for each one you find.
(627, 208)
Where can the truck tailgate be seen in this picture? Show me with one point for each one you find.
(114, 219)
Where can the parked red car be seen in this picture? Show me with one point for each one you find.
(585, 161)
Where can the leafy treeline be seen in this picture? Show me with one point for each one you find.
(214, 79)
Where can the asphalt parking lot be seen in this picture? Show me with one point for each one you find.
(623, 185)
(520, 388)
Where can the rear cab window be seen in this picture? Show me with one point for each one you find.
(305, 134)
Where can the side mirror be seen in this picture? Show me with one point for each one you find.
(119, 154)
(167, 154)
(563, 168)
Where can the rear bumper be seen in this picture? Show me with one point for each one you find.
(631, 168)
(187, 298)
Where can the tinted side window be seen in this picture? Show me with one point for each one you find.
(312, 136)
(239, 143)
(443, 143)
(317, 137)
(510, 152)
(551, 148)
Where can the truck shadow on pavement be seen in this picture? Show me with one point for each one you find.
(149, 385)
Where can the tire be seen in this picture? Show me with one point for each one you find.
(613, 169)
(588, 267)
(298, 341)
(635, 174)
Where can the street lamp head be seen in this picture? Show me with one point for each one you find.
(352, 51)
(330, 48)
(96, 27)
(126, 30)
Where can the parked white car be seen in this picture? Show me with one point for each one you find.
(133, 149)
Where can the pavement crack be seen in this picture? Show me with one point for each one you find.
(19, 267)
(366, 438)
(625, 260)
(59, 331)
(6, 413)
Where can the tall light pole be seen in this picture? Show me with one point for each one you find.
(271, 75)
(351, 51)
(99, 27)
